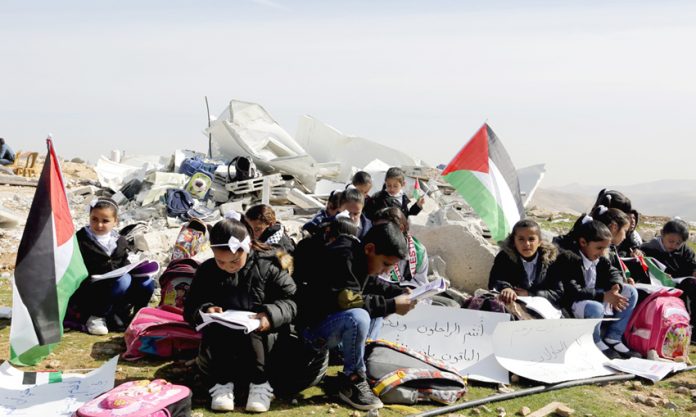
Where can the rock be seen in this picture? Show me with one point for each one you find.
(564, 411)
(505, 389)
(524, 411)
(151, 242)
(671, 406)
(53, 364)
(332, 411)
(451, 242)
(657, 394)
(373, 413)
(294, 402)
(475, 412)
(355, 414)
(650, 402)
(682, 390)
(636, 385)
(639, 399)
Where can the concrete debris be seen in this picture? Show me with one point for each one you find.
(551, 409)
(450, 242)
(8, 219)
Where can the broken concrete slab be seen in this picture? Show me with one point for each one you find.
(302, 200)
(327, 144)
(467, 255)
(9, 220)
(247, 129)
(17, 180)
(84, 190)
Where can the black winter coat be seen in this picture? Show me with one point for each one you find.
(96, 259)
(382, 199)
(341, 266)
(680, 263)
(260, 286)
(508, 272)
(568, 268)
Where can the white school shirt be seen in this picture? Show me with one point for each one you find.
(589, 268)
(530, 268)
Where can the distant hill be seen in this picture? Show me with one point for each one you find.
(657, 198)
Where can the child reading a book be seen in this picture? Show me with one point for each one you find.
(335, 309)
(353, 202)
(267, 229)
(247, 276)
(392, 195)
(593, 288)
(107, 302)
(521, 268)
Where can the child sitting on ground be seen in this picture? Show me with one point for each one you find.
(521, 268)
(671, 250)
(335, 309)
(267, 229)
(353, 203)
(593, 288)
(618, 223)
(392, 195)
(242, 276)
(107, 302)
(333, 207)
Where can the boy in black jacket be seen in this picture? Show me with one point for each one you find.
(392, 195)
(335, 309)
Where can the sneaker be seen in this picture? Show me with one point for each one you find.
(357, 392)
(260, 397)
(621, 349)
(97, 326)
(223, 397)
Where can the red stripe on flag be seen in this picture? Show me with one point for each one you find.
(473, 156)
(59, 201)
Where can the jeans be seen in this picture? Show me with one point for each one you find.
(614, 329)
(107, 294)
(347, 328)
(375, 328)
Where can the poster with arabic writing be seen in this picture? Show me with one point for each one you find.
(550, 351)
(461, 338)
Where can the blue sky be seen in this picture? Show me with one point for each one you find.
(602, 92)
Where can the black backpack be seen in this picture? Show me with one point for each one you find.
(178, 203)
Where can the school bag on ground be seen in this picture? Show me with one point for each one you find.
(141, 398)
(192, 238)
(160, 332)
(178, 203)
(660, 322)
(175, 282)
(399, 375)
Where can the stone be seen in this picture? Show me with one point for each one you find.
(524, 411)
(682, 390)
(636, 385)
(373, 413)
(639, 399)
(475, 412)
(564, 411)
(152, 242)
(505, 389)
(651, 402)
(332, 411)
(53, 364)
(671, 406)
(84, 190)
(468, 256)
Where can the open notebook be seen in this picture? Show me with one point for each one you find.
(234, 319)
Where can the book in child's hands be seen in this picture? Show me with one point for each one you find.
(234, 319)
(429, 289)
(542, 306)
(145, 267)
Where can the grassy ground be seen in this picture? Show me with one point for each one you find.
(80, 351)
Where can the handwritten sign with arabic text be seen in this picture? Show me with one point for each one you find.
(461, 338)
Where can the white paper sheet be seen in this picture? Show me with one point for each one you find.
(53, 400)
(645, 368)
(234, 319)
(459, 337)
(549, 351)
(426, 291)
(542, 306)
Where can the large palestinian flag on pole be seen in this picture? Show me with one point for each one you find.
(484, 175)
(49, 269)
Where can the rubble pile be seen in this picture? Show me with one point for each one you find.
(253, 160)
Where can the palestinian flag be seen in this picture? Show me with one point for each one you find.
(49, 269)
(484, 175)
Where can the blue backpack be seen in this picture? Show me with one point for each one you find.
(192, 165)
(178, 203)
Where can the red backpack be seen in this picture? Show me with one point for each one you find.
(176, 281)
(660, 322)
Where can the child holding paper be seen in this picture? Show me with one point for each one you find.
(333, 207)
(592, 287)
(521, 268)
(335, 309)
(242, 276)
(392, 195)
(108, 302)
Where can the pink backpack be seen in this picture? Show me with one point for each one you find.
(660, 322)
(159, 331)
(142, 398)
